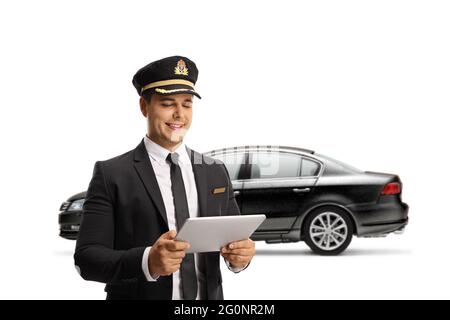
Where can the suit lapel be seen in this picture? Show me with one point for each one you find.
(146, 173)
(199, 169)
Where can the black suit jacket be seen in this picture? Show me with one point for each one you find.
(124, 213)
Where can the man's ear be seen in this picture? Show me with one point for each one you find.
(143, 106)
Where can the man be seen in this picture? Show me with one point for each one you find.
(137, 201)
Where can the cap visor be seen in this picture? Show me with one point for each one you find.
(174, 89)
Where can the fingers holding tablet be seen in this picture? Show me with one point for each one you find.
(166, 255)
(239, 253)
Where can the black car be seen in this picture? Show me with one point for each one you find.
(305, 196)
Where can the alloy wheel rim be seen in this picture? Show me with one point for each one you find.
(328, 231)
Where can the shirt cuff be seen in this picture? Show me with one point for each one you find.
(235, 270)
(145, 265)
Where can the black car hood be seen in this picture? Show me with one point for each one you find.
(77, 196)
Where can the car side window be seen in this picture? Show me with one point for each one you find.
(309, 168)
(233, 162)
(274, 165)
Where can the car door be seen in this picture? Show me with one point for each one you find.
(236, 163)
(279, 183)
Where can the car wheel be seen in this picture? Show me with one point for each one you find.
(328, 231)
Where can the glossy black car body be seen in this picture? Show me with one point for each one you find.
(305, 196)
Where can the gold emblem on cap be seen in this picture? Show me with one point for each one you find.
(181, 68)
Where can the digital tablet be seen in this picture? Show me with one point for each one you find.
(207, 234)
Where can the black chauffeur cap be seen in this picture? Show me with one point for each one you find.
(171, 75)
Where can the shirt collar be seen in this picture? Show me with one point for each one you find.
(159, 154)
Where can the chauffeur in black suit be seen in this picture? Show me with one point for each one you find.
(136, 201)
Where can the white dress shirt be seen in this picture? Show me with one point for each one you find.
(161, 168)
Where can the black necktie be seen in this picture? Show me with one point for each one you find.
(187, 269)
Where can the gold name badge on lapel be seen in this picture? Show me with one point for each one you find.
(218, 190)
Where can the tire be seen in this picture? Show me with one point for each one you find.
(324, 240)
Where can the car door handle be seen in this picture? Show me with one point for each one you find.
(236, 192)
(303, 190)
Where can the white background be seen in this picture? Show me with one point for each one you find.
(365, 82)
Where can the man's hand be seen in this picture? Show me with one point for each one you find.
(239, 253)
(166, 255)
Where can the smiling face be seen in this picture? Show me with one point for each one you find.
(168, 118)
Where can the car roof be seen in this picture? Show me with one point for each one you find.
(250, 148)
(332, 165)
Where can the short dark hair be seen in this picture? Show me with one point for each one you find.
(147, 95)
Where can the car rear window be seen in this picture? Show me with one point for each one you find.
(309, 168)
